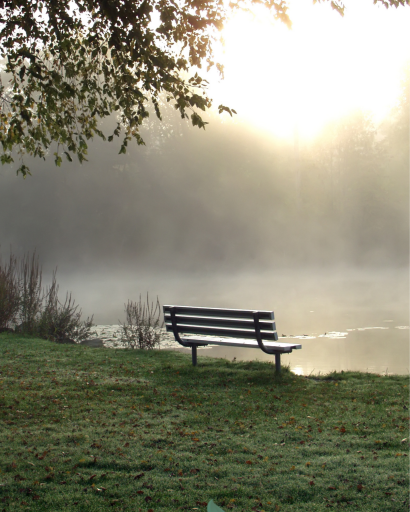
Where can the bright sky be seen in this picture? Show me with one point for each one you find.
(325, 66)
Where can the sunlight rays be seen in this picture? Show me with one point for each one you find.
(325, 66)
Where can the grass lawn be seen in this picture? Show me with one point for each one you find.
(89, 429)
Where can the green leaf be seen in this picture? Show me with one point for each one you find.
(212, 507)
(6, 159)
(68, 156)
(24, 170)
(22, 72)
(197, 121)
(222, 108)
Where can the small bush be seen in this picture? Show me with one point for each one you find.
(31, 293)
(25, 305)
(9, 293)
(60, 321)
(142, 326)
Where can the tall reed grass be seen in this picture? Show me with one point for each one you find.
(29, 308)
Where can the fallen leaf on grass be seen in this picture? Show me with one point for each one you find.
(26, 490)
(213, 507)
(311, 482)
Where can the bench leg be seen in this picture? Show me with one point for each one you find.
(194, 347)
(277, 363)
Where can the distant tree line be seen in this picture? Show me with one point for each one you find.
(175, 204)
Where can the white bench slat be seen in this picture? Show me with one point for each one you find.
(216, 331)
(220, 312)
(265, 325)
(236, 342)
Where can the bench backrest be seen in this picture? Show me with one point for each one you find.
(236, 323)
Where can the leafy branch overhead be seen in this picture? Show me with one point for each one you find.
(67, 65)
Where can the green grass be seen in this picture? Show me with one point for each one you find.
(101, 429)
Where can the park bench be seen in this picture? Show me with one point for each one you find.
(229, 327)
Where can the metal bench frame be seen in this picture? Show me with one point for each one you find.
(225, 327)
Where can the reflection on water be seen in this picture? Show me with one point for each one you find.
(359, 350)
(333, 335)
(374, 351)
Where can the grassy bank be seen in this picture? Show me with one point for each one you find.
(101, 429)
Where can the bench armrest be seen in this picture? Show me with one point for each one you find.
(175, 329)
(258, 334)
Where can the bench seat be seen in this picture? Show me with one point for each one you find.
(237, 342)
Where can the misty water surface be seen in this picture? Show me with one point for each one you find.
(345, 319)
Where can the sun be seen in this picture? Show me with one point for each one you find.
(325, 66)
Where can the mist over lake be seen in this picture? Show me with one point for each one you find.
(229, 217)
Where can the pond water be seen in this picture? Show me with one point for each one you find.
(356, 349)
(344, 319)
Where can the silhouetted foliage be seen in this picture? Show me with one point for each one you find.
(70, 64)
(9, 293)
(30, 309)
(61, 321)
